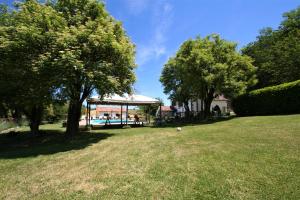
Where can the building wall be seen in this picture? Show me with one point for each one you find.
(223, 104)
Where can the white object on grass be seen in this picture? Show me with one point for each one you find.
(178, 128)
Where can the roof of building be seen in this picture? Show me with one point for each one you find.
(125, 99)
(167, 108)
(220, 98)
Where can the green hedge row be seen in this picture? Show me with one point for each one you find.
(279, 99)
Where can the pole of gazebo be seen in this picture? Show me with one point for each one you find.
(149, 114)
(126, 114)
(89, 114)
(121, 114)
(146, 108)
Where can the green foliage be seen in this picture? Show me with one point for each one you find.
(6, 124)
(26, 78)
(151, 109)
(4, 15)
(207, 67)
(3, 110)
(93, 52)
(55, 112)
(64, 49)
(276, 53)
(280, 99)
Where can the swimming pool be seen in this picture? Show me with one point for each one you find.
(112, 121)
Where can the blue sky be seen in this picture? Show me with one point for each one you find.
(159, 27)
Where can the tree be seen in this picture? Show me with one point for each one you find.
(4, 15)
(56, 111)
(207, 67)
(276, 53)
(174, 82)
(65, 48)
(151, 109)
(26, 36)
(92, 53)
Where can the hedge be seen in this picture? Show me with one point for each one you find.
(279, 99)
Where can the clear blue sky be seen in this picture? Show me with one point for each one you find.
(158, 28)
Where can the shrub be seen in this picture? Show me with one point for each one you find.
(279, 99)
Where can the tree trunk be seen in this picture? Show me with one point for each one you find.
(207, 112)
(207, 103)
(35, 117)
(34, 127)
(17, 115)
(187, 110)
(74, 114)
(201, 108)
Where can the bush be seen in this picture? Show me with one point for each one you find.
(279, 99)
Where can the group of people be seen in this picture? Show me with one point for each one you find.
(136, 119)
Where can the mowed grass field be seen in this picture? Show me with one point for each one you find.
(241, 158)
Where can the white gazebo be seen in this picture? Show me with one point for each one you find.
(124, 100)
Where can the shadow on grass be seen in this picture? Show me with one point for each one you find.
(22, 144)
(192, 123)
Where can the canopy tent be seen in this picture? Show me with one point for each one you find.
(126, 99)
(134, 100)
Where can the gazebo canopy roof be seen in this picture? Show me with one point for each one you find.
(133, 100)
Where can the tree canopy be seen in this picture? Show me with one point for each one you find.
(204, 68)
(65, 48)
(93, 53)
(26, 35)
(276, 53)
(151, 109)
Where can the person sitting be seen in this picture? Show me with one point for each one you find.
(107, 120)
(136, 118)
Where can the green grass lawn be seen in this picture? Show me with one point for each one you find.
(241, 158)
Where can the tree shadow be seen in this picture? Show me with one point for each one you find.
(23, 144)
(182, 123)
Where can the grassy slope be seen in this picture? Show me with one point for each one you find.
(243, 158)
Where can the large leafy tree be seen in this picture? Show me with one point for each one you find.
(93, 53)
(66, 48)
(175, 83)
(26, 36)
(4, 17)
(276, 53)
(207, 67)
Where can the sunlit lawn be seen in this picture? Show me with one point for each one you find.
(241, 158)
